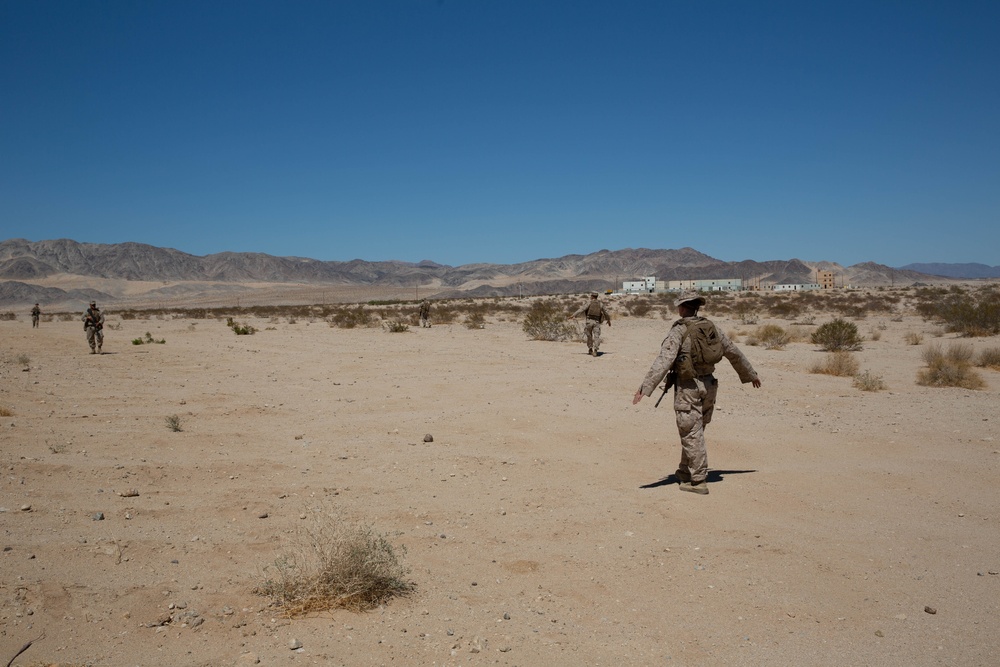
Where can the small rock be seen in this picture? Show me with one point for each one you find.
(428, 438)
(262, 515)
(930, 610)
(25, 508)
(98, 516)
(294, 644)
(506, 616)
(993, 572)
(879, 633)
(128, 493)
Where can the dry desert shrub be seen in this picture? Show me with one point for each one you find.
(949, 368)
(173, 423)
(475, 320)
(836, 335)
(868, 381)
(989, 358)
(913, 338)
(770, 337)
(337, 565)
(349, 318)
(396, 326)
(839, 363)
(547, 321)
(5, 412)
(747, 310)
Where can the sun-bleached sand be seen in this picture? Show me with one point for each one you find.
(536, 523)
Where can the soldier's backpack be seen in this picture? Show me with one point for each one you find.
(705, 350)
(594, 310)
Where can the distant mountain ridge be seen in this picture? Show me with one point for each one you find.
(967, 271)
(24, 264)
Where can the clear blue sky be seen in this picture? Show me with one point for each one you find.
(505, 130)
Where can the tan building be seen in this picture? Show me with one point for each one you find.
(825, 279)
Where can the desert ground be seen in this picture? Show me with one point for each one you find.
(540, 524)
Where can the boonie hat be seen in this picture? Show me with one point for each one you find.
(688, 296)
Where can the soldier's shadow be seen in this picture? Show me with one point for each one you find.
(713, 476)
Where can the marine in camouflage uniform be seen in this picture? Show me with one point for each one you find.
(595, 315)
(425, 314)
(93, 324)
(36, 312)
(694, 399)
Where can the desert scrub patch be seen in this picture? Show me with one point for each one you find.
(240, 328)
(334, 564)
(475, 320)
(8, 316)
(349, 318)
(5, 411)
(913, 338)
(770, 337)
(970, 314)
(868, 381)
(545, 320)
(148, 340)
(949, 368)
(23, 360)
(396, 326)
(747, 310)
(839, 363)
(989, 358)
(837, 334)
(173, 423)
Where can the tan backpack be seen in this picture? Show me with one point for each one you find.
(705, 349)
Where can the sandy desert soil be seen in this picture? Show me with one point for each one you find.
(539, 524)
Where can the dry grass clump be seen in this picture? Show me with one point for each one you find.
(173, 423)
(868, 381)
(770, 337)
(337, 565)
(913, 338)
(989, 358)
(949, 368)
(839, 363)
(5, 412)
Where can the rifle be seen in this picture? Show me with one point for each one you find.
(671, 381)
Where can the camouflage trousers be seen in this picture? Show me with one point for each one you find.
(425, 322)
(34, 321)
(592, 329)
(694, 402)
(95, 338)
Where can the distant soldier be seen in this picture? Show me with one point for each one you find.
(690, 351)
(595, 315)
(36, 312)
(425, 314)
(93, 324)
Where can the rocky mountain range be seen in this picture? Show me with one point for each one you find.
(66, 271)
(971, 271)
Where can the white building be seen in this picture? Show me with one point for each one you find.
(647, 284)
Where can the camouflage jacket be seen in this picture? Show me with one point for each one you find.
(670, 348)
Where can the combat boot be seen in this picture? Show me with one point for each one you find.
(701, 488)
